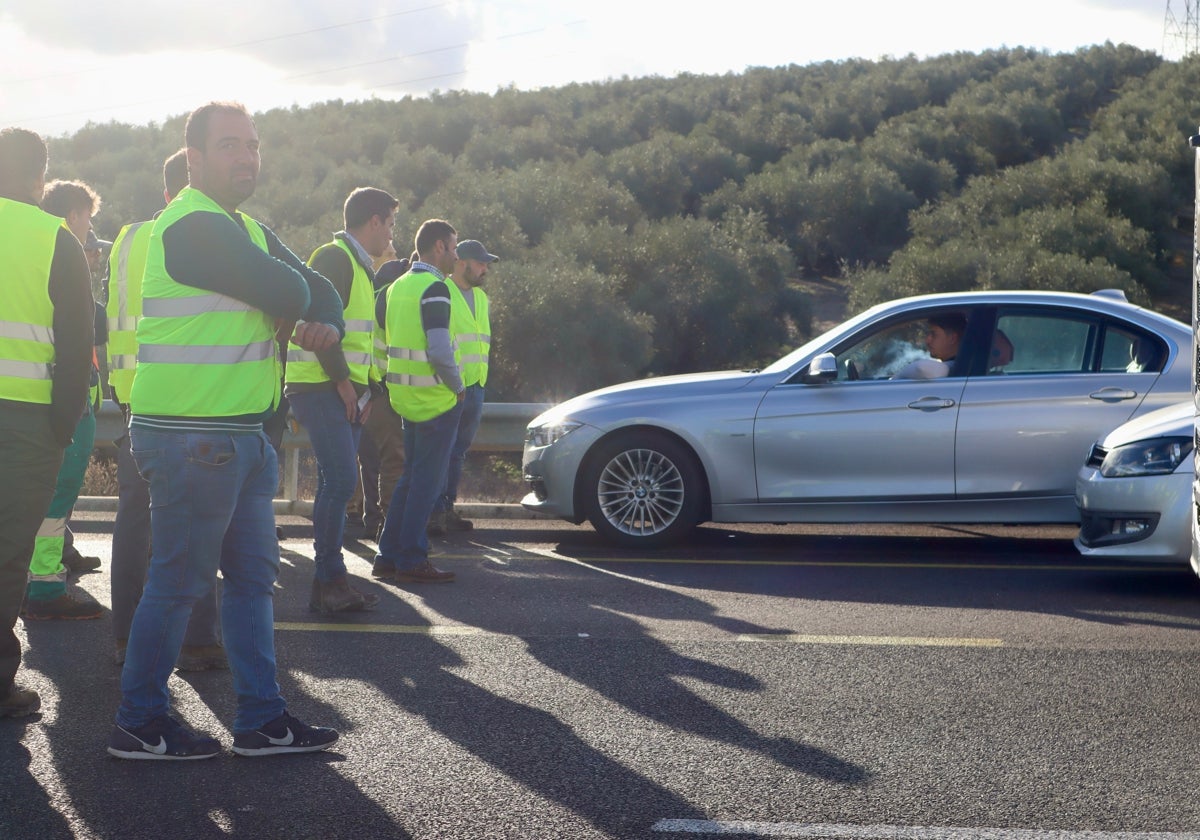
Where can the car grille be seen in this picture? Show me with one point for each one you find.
(1096, 456)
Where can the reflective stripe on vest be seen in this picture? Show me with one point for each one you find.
(27, 242)
(201, 353)
(303, 366)
(126, 264)
(414, 389)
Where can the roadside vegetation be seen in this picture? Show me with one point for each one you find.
(655, 226)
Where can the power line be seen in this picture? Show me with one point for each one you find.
(1182, 37)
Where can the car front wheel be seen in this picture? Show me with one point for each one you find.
(642, 489)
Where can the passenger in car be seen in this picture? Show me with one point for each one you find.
(942, 340)
(1001, 353)
(1143, 356)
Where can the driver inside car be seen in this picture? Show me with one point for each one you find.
(942, 340)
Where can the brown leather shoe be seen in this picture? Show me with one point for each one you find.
(65, 607)
(424, 573)
(338, 595)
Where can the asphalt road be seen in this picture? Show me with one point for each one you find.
(860, 682)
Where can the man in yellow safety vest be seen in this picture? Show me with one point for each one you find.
(45, 365)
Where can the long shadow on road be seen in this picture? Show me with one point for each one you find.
(959, 569)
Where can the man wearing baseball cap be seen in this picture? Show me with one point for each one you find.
(473, 330)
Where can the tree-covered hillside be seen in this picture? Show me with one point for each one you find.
(654, 226)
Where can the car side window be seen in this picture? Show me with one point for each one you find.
(1130, 352)
(882, 354)
(1041, 343)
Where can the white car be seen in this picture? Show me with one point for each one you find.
(1135, 491)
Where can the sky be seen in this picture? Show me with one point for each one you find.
(67, 63)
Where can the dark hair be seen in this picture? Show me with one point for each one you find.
(364, 204)
(63, 197)
(954, 322)
(389, 271)
(175, 173)
(195, 131)
(23, 159)
(430, 232)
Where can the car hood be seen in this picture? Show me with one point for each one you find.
(658, 389)
(1173, 421)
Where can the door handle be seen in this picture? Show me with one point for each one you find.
(1113, 394)
(931, 404)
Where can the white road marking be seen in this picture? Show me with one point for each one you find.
(903, 832)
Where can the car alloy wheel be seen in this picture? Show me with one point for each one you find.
(644, 490)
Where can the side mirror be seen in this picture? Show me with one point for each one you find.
(823, 368)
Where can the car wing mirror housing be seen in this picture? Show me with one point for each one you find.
(822, 368)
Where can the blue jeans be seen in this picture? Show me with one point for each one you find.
(131, 557)
(211, 498)
(335, 444)
(403, 543)
(468, 425)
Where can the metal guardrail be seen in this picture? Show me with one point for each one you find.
(502, 430)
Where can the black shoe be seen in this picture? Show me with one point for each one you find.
(162, 739)
(76, 563)
(285, 734)
(382, 570)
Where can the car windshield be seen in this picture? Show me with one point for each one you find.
(824, 339)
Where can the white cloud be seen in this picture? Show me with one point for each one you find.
(68, 63)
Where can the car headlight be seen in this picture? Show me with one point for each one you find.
(549, 433)
(1157, 456)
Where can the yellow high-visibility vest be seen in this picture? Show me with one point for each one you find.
(126, 264)
(302, 365)
(415, 391)
(27, 240)
(473, 332)
(201, 353)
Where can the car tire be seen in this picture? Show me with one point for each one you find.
(642, 489)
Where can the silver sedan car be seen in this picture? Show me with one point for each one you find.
(840, 431)
(1135, 491)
